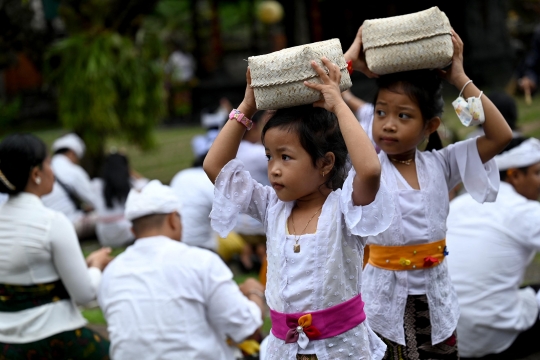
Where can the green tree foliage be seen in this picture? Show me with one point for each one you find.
(108, 84)
(107, 87)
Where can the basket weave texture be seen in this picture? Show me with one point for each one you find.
(278, 78)
(421, 40)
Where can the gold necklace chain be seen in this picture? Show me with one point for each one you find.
(406, 162)
(296, 247)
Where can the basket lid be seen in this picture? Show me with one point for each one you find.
(405, 28)
(293, 64)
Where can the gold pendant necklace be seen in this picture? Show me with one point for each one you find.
(406, 162)
(296, 247)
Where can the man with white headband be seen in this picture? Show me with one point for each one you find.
(490, 246)
(163, 299)
(72, 193)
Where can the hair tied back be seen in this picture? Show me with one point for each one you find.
(6, 182)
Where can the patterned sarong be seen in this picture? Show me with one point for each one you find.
(418, 336)
(76, 344)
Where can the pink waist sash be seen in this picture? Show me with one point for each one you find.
(320, 324)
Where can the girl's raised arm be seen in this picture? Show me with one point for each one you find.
(497, 132)
(226, 145)
(361, 151)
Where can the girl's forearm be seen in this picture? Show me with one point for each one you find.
(363, 156)
(497, 132)
(226, 145)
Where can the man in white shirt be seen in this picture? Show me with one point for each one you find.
(72, 193)
(490, 246)
(163, 299)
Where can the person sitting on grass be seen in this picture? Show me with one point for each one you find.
(163, 299)
(492, 245)
(72, 192)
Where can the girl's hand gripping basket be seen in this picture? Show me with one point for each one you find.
(278, 78)
(421, 40)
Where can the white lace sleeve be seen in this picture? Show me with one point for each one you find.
(461, 163)
(368, 220)
(236, 192)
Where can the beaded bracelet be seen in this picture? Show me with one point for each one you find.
(241, 118)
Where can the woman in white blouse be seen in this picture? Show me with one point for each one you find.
(43, 274)
(111, 190)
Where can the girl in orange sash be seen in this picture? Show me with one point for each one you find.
(410, 301)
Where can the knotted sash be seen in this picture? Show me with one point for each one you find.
(316, 325)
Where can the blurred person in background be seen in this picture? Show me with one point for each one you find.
(164, 299)
(490, 246)
(43, 273)
(72, 193)
(530, 69)
(253, 154)
(111, 191)
(196, 192)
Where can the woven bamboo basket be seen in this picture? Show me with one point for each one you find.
(421, 40)
(278, 78)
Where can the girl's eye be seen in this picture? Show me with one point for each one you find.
(404, 116)
(285, 157)
(268, 157)
(380, 112)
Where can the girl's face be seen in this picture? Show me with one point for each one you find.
(398, 126)
(290, 167)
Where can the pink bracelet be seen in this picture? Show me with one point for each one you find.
(241, 118)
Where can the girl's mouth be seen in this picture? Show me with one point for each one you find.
(277, 186)
(388, 140)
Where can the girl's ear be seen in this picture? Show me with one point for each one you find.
(326, 163)
(432, 126)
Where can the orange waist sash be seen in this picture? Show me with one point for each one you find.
(408, 257)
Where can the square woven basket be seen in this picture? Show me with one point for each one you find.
(421, 40)
(278, 78)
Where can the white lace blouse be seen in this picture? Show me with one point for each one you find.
(328, 269)
(385, 292)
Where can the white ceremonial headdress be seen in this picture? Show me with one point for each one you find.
(525, 154)
(71, 142)
(200, 144)
(154, 198)
(217, 119)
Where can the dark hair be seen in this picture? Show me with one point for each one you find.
(423, 87)
(19, 154)
(199, 161)
(116, 178)
(147, 222)
(258, 116)
(506, 105)
(319, 133)
(515, 142)
(62, 151)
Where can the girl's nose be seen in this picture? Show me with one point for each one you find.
(273, 170)
(389, 126)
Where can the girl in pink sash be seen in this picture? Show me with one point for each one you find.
(317, 214)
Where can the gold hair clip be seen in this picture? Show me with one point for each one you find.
(6, 182)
